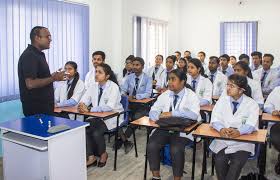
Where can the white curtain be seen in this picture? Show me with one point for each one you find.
(68, 24)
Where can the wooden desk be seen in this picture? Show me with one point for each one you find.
(206, 131)
(270, 118)
(146, 122)
(74, 110)
(142, 101)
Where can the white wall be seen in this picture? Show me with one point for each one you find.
(111, 25)
(200, 23)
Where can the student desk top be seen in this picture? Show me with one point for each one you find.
(142, 101)
(37, 126)
(270, 118)
(207, 108)
(146, 122)
(74, 110)
(206, 131)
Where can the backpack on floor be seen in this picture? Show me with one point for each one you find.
(165, 155)
(253, 176)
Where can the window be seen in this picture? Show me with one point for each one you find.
(238, 38)
(67, 23)
(150, 39)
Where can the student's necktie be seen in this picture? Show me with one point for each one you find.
(135, 87)
(224, 71)
(212, 78)
(263, 78)
(99, 95)
(167, 78)
(193, 84)
(234, 107)
(68, 84)
(175, 100)
(154, 73)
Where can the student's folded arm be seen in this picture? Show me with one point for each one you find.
(86, 98)
(246, 129)
(157, 109)
(269, 108)
(67, 103)
(101, 109)
(203, 102)
(186, 114)
(217, 125)
(154, 115)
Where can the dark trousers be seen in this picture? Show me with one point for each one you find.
(30, 109)
(95, 141)
(229, 166)
(275, 136)
(137, 111)
(177, 150)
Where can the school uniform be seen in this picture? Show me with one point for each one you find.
(103, 99)
(219, 81)
(184, 104)
(268, 79)
(154, 72)
(205, 67)
(163, 79)
(243, 115)
(90, 78)
(140, 87)
(272, 103)
(253, 68)
(122, 77)
(256, 89)
(229, 71)
(203, 88)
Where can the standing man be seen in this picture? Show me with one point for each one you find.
(35, 80)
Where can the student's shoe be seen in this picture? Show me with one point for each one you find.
(101, 164)
(118, 144)
(127, 146)
(156, 178)
(92, 164)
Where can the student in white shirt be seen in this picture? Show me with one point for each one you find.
(201, 85)
(243, 69)
(177, 54)
(104, 96)
(233, 115)
(245, 58)
(272, 106)
(201, 56)
(183, 65)
(98, 57)
(128, 69)
(187, 54)
(218, 79)
(224, 65)
(177, 101)
(267, 76)
(162, 84)
(155, 71)
(256, 60)
(232, 61)
(69, 92)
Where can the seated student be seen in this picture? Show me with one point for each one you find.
(245, 58)
(201, 56)
(232, 61)
(155, 71)
(187, 54)
(137, 86)
(104, 96)
(178, 101)
(200, 84)
(233, 115)
(218, 79)
(69, 92)
(127, 70)
(162, 84)
(242, 69)
(182, 65)
(98, 57)
(267, 76)
(224, 67)
(272, 106)
(257, 60)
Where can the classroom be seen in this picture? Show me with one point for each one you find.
(139, 89)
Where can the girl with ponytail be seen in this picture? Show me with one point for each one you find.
(104, 96)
